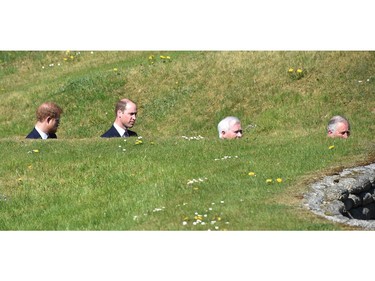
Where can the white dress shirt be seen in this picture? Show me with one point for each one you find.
(41, 133)
(120, 130)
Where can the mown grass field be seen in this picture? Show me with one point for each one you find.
(168, 182)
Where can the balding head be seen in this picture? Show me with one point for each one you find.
(121, 105)
(48, 109)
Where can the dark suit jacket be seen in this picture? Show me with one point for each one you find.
(112, 133)
(35, 135)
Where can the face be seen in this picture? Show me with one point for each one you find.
(129, 115)
(235, 132)
(53, 124)
(342, 131)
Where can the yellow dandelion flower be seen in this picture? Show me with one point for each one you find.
(331, 147)
(71, 57)
(268, 180)
(151, 57)
(163, 57)
(279, 180)
(299, 70)
(36, 150)
(290, 70)
(251, 174)
(115, 69)
(65, 59)
(168, 57)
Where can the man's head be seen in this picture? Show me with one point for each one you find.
(48, 117)
(126, 113)
(229, 128)
(338, 127)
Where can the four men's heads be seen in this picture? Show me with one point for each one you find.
(338, 127)
(48, 120)
(230, 128)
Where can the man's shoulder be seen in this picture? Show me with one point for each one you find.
(112, 132)
(34, 135)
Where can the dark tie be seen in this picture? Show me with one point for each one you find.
(126, 134)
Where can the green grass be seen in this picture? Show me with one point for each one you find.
(83, 182)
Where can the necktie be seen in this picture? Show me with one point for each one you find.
(125, 135)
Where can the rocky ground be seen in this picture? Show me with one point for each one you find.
(347, 197)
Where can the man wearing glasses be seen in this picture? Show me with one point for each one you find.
(338, 127)
(230, 128)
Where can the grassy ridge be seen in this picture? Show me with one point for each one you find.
(83, 182)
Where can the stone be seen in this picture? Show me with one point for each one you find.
(356, 213)
(336, 192)
(347, 197)
(334, 208)
(363, 213)
(355, 199)
(366, 198)
(357, 186)
(348, 203)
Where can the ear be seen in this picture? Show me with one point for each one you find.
(48, 119)
(222, 133)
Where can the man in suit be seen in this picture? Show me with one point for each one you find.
(338, 127)
(230, 128)
(126, 115)
(48, 120)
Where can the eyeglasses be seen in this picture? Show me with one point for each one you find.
(345, 132)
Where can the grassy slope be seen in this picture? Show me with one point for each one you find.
(83, 182)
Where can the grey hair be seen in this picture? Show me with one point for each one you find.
(332, 123)
(226, 124)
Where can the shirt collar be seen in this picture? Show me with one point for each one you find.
(120, 130)
(41, 133)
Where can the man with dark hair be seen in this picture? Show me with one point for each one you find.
(48, 120)
(338, 127)
(126, 115)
